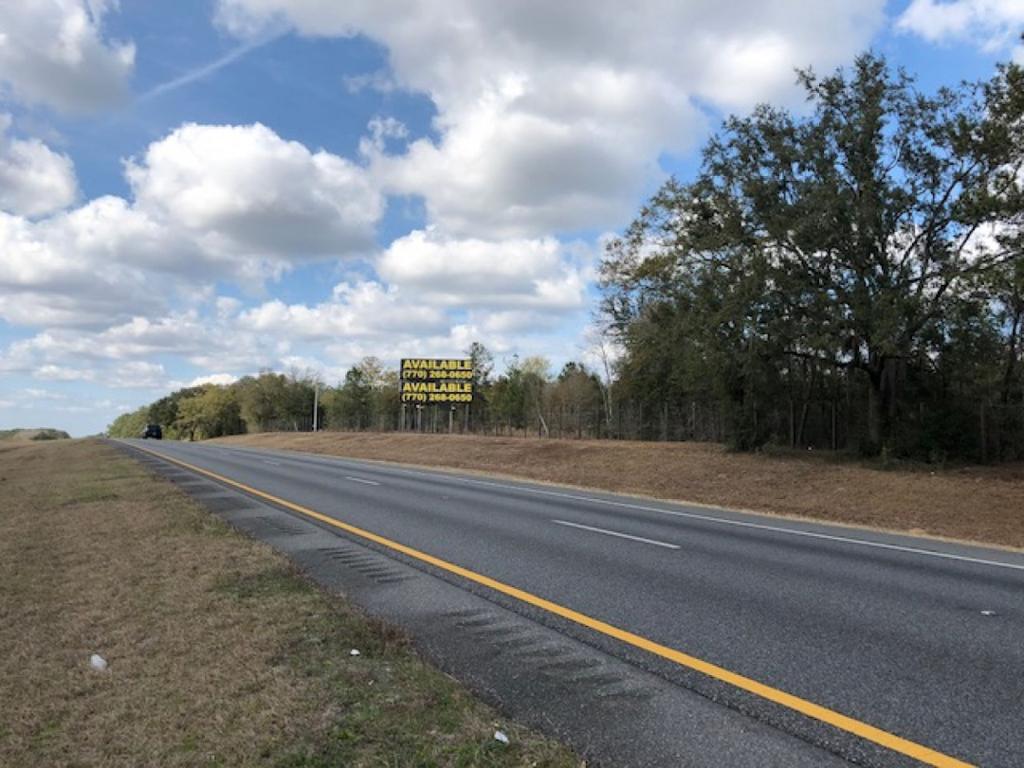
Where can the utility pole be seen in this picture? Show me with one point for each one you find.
(316, 405)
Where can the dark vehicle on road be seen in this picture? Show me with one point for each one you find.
(152, 431)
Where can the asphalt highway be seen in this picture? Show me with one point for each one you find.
(879, 648)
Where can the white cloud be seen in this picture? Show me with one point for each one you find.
(361, 318)
(379, 81)
(243, 190)
(234, 203)
(536, 274)
(136, 339)
(138, 374)
(382, 129)
(50, 277)
(122, 355)
(36, 393)
(516, 321)
(364, 310)
(213, 378)
(34, 180)
(529, 158)
(55, 53)
(552, 116)
(110, 230)
(63, 373)
(993, 25)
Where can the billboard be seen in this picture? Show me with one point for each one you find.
(433, 380)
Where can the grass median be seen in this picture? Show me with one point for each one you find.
(218, 652)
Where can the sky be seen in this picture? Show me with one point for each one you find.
(199, 190)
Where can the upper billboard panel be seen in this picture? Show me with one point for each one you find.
(436, 369)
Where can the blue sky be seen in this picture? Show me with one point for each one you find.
(199, 190)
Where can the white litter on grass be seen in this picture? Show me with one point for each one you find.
(353, 652)
(500, 736)
(97, 662)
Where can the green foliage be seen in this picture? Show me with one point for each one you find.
(351, 408)
(367, 399)
(165, 410)
(483, 364)
(129, 424)
(276, 401)
(575, 401)
(835, 261)
(51, 434)
(212, 412)
(508, 397)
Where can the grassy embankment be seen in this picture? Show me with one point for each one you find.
(984, 504)
(42, 433)
(219, 653)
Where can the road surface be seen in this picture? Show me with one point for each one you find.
(874, 648)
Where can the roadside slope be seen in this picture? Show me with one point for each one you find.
(219, 653)
(983, 504)
(40, 433)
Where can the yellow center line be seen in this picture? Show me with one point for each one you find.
(803, 706)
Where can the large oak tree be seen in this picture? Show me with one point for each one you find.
(843, 237)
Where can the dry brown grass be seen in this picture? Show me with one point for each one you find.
(984, 504)
(219, 653)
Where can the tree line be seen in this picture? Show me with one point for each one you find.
(526, 398)
(848, 277)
